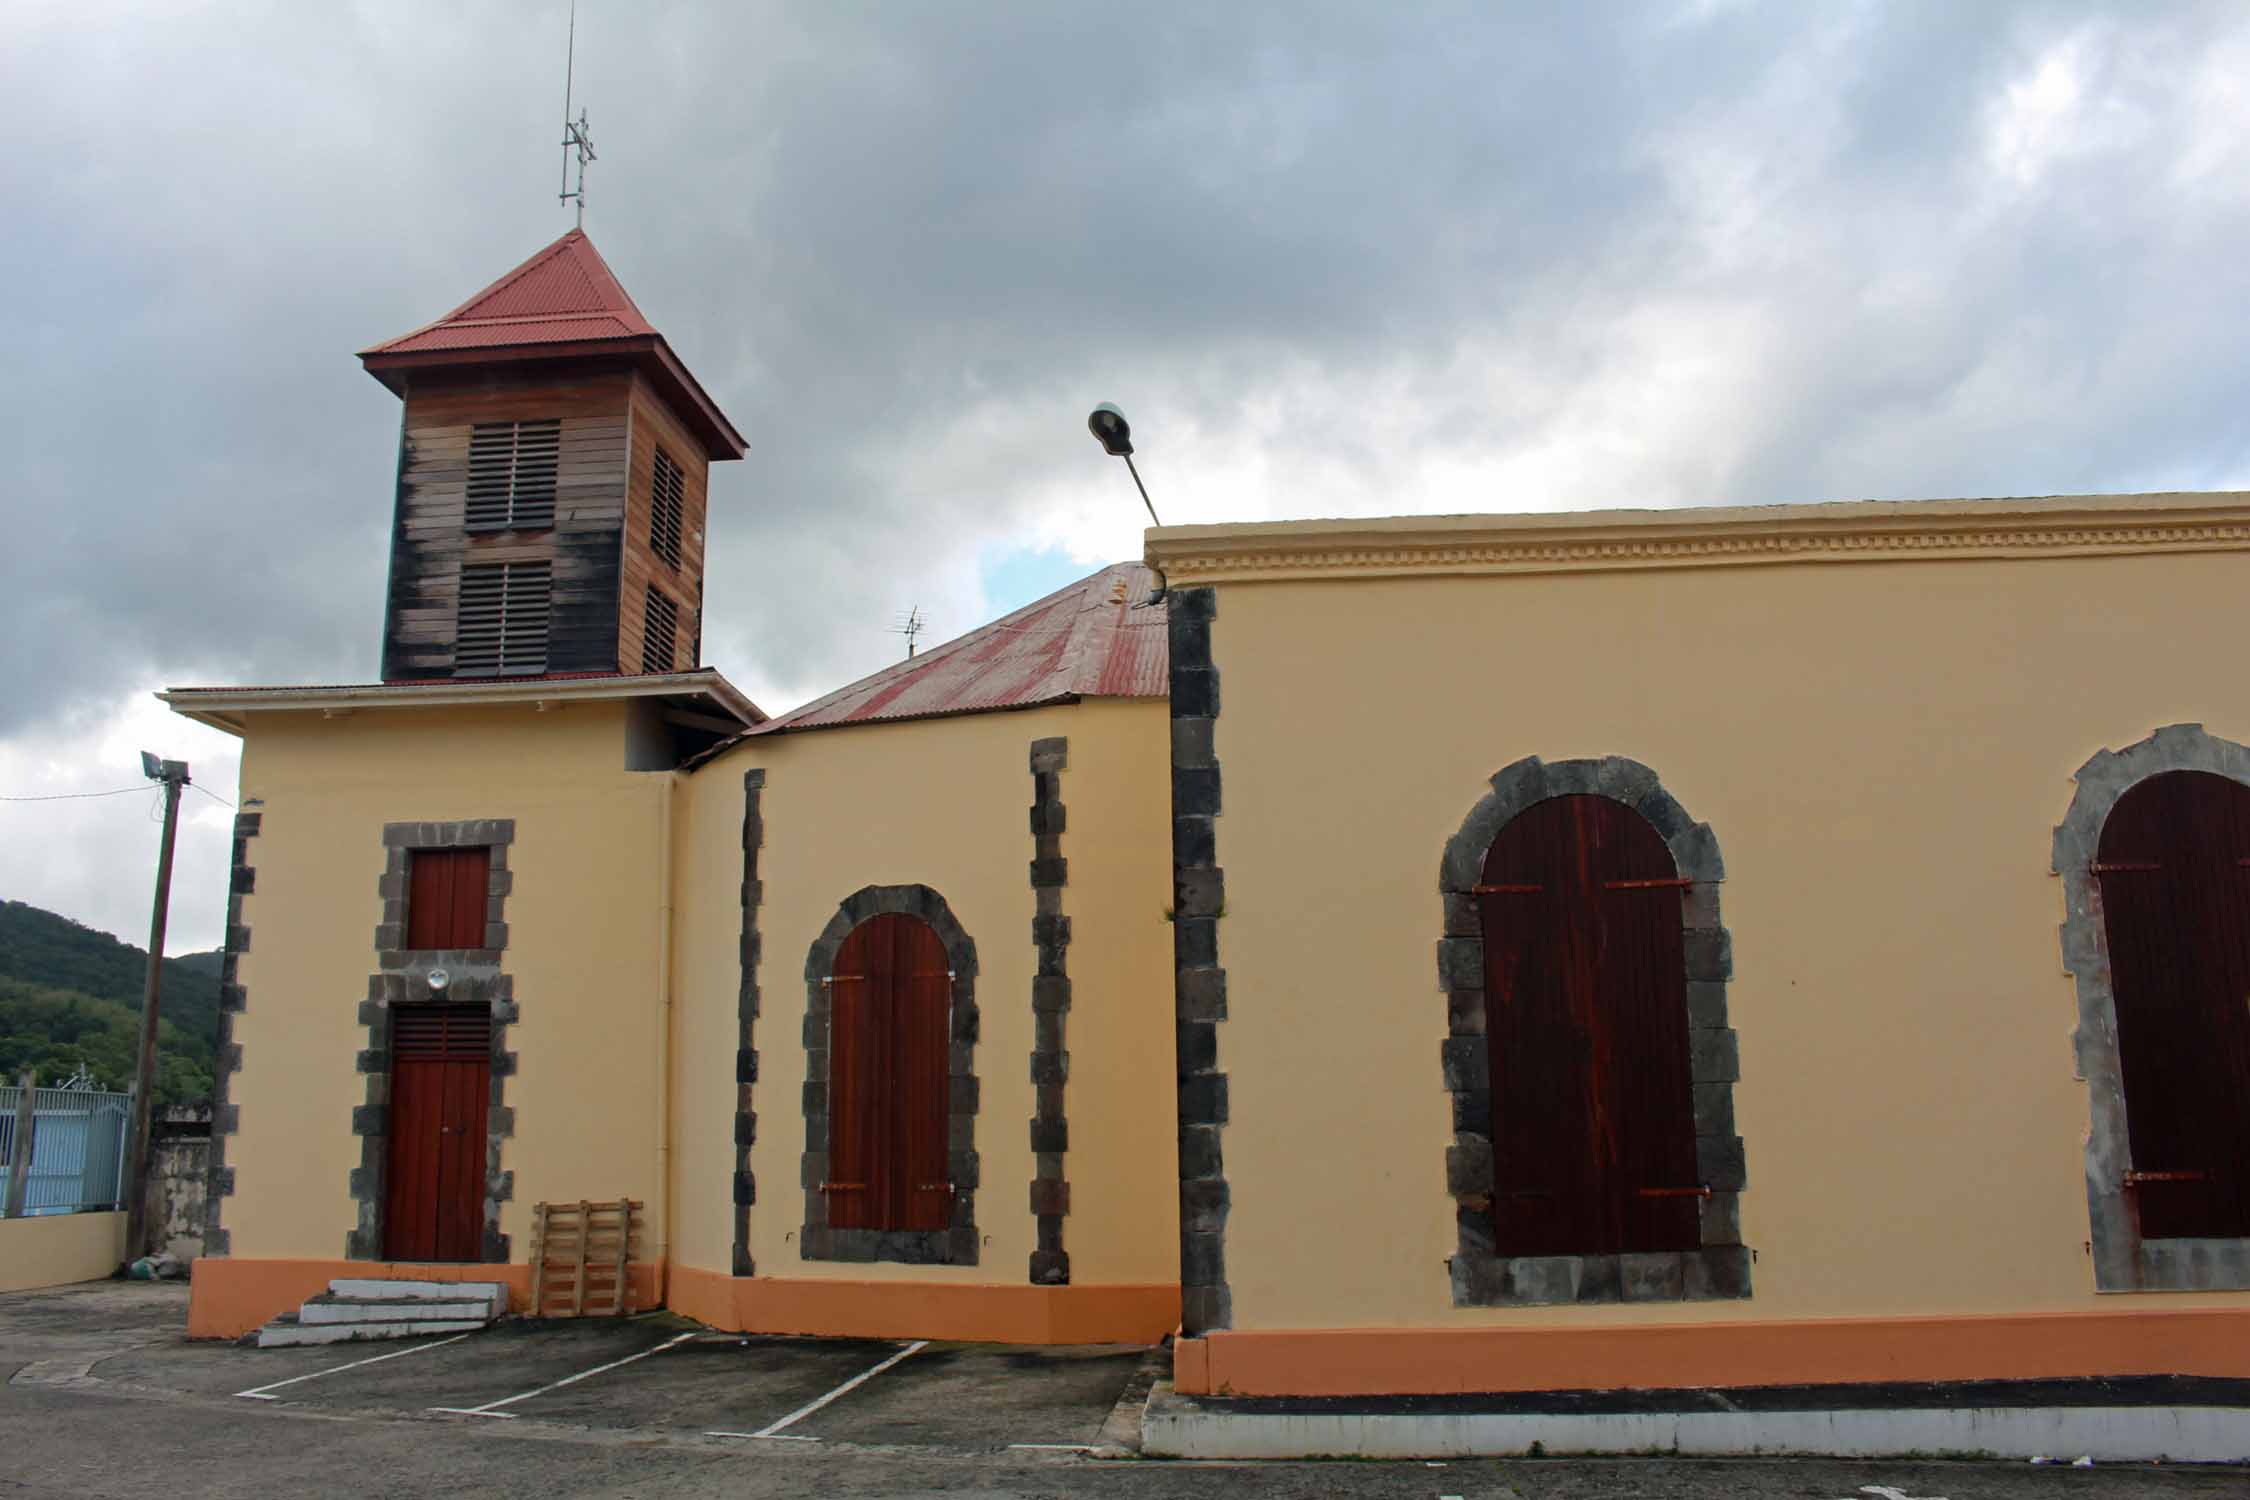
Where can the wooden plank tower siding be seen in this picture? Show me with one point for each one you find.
(600, 545)
(546, 426)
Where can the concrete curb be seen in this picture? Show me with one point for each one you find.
(1174, 1427)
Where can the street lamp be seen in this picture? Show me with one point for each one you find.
(1115, 434)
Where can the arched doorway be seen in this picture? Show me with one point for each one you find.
(2174, 872)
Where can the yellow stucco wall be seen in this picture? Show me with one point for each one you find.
(1883, 751)
(585, 950)
(58, 1249)
(943, 803)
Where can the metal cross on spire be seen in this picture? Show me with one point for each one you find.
(576, 138)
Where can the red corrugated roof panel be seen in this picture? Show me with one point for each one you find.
(563, 303)
(1102, 637)
(566, 291)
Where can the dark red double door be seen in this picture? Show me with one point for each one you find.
(2174, 869)
(889, 1007)
(1593, 1118)
(441, 1076)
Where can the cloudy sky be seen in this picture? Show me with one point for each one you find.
(1333, 259)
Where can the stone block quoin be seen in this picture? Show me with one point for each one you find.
(742, 1191)
(226, 1115)
(1050, 1000)
(1199, 979)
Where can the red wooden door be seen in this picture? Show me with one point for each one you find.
(441, 1072)
(1593, 1114)
(2174, 869)
(889, 1001)
(445, 897)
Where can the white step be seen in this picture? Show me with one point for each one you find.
(393, 1310)
(493, 1292)
(280, 1334)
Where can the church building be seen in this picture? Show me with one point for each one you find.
(1720, 947)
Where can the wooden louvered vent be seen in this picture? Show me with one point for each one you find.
(660, 632)
(512, 475)
(667, 509)
(441, 1033)
(501, 625)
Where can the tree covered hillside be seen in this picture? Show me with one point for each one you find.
(70, 999)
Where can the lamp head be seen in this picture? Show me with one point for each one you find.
(1111, 430)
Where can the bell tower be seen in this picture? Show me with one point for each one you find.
(553, 454)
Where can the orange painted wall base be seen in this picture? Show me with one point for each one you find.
(228, 1296)
(1842, 1351)
(905, 1309)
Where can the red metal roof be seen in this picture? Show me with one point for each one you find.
(564, 302)
(1102, 637)
(565, 292)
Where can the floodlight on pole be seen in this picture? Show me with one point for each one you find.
(1115, 434)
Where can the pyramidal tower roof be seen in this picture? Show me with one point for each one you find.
(565, 293)
(562, 303)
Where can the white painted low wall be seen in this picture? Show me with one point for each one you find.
(1176, 1428)
(57, 1249)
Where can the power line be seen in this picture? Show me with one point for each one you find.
(214, 796)
(74, 796)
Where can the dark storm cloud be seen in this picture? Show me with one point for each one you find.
(1332, 257)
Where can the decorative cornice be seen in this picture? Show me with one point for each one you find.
(1601, 541)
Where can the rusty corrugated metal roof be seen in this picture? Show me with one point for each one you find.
(1101, 637)
(565, 292)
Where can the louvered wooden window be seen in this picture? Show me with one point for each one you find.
(889, 1004)
(660, 632)
(500, 627)
(446, 895)
(667, 510)
(512, 469)
(2174, 870)
(441, 1033)
(1593, 1117)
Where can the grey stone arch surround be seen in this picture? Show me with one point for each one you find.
(1720, 1268)
(474, 976)
(955, 1245)
(2123, 1261)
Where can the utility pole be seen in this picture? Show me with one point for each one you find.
(20, 1142)
(174, 775)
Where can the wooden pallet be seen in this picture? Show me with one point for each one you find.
(581, 1254)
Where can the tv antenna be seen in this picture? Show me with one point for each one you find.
(576, 141)
(910, 625)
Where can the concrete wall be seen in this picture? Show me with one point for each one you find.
(179, 1179)
(946, 804)
(1883, 750)
(58, 1249)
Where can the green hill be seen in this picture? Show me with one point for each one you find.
(70, 998)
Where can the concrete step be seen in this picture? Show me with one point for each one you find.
(283, 1333)
(334, 1309)
(493, 1294)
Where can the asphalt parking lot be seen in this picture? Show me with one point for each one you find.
(660, 1374)
(102, 1397)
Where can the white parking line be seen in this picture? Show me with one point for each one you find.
(773, 1429)
(258, 1393)
(492, 1408)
